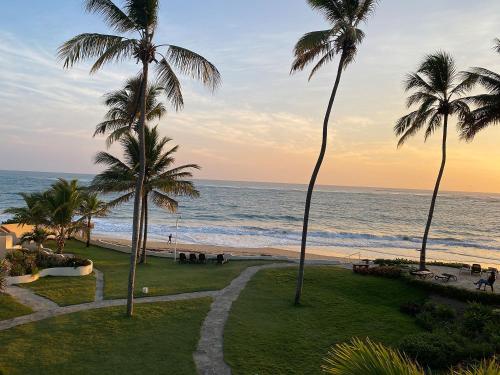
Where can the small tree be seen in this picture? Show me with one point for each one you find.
(91, 207)
(38, 235)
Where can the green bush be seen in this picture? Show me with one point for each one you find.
(475, 319)
(390, 272)
(17, 269)
(433, 316)
(432, 350)
(394, 262)
(4, 268)
(411, 308)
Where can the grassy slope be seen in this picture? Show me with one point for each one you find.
(162, 276)
(10, 308)
(65, 290)
(160, 339)
(266, 334)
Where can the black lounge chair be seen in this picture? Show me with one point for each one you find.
(202, 259)
(221, 259)
(192, 258)
(182, 258)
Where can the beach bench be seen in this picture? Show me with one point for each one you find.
(445, 277)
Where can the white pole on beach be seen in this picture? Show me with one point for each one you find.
(176, 228)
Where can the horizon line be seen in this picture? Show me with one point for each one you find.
(283, 183)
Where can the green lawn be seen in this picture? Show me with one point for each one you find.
(160, 339)
(266, 334)
(10, 308)
(65, 290)
(161, 275)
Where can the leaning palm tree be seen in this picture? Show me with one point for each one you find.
(438, 93)
(33, 212)
(138, 18)
(162, 183)
(62, 201)
(122, 114)
(488, 104)
(342, 39)
(91, 207)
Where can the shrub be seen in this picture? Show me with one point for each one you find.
(4, 268)
(475, 318)
(17, 269)
(410, 308)
(394, 262)
(390, 272)
(436, 351)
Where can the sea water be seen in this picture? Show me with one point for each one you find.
(344, 220)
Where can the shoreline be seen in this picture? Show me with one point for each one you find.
(347, 255)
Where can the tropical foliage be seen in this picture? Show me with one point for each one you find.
(487, 111)
(162, 183)
(342, 40)
(38, 235)
(138, 18)
(437, 91)
(32, 213)
(366, 357)
(91, 206)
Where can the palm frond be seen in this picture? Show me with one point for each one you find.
(167, 79)
(116, 52)
(86, 46)
(193, 65)
(113, 15)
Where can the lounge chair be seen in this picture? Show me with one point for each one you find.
(221, 259)
(192, 258)
(182, 258)
(445, 277)
(476, 268)
(202, 258)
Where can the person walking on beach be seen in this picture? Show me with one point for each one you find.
(170, 238)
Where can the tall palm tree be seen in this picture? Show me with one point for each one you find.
(91, 207)
(162, 183)
(438, 92)
(138, 18)
(122, 114)
(342, 39)
(62, 202)
(33, 213)
(488, 104)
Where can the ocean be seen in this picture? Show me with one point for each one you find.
(366, 222)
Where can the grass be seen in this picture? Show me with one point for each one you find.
(65, 290)
(159, 339)
(266, 334)
(10, 308)
(162, 276)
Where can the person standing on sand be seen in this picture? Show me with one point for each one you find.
(170, 238)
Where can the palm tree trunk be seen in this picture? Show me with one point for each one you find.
(88, 231)
(434, 195)
(143, 254)
(141, 226)
(138, 191)
(312, 182)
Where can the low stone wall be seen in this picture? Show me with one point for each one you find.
(57, 271)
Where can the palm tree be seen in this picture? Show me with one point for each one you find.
(37, 235)
(91, 206)
(122, 112)
(162, 181)
(341, 39)
(488, 104)
(138, 17)
(438, 93)
(33, 213)
(62, 202)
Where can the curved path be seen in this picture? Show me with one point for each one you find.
(209, 356)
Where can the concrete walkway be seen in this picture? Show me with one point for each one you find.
(57, 311)
(28, 298)
(99, 285)
(209, 356)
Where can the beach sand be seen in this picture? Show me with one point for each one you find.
(213, 250)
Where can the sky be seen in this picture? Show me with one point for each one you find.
(263, 124)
